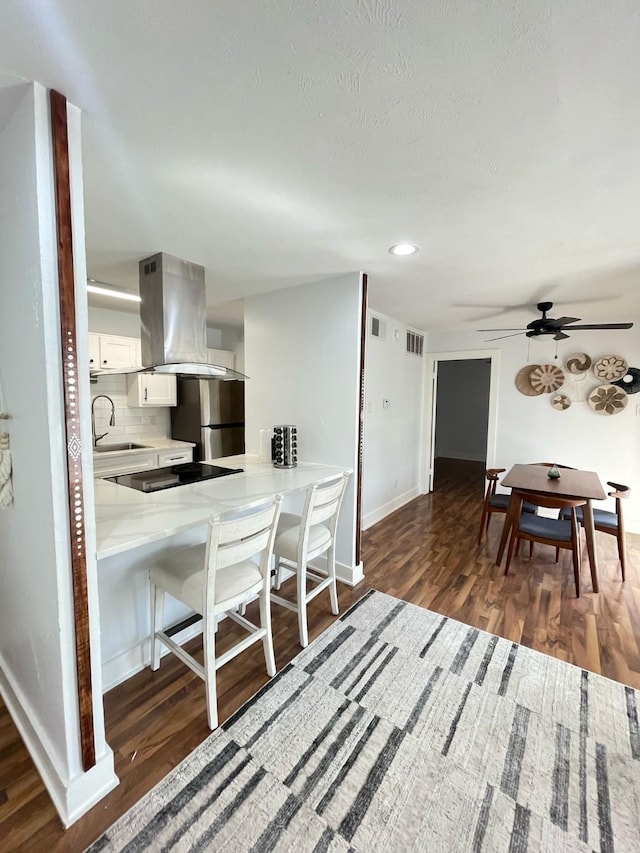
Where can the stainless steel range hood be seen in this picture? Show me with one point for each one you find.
(173, 320)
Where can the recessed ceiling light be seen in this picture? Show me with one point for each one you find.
(93, 287)
(403, 249)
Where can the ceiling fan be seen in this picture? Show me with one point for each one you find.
(548, 326)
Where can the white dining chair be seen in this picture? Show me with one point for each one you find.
(301, 538)
(216, 578)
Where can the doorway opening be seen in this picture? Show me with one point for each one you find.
(462, 415)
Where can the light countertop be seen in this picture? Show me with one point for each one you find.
(126, 518)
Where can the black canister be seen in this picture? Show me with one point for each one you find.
(285, 446)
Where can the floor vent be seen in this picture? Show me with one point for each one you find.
(415, 344)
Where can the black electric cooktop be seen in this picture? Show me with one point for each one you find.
(175, 475)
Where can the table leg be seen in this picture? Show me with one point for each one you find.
(508, 523)
(590, 536)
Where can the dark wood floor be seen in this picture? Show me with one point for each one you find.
(425, 553)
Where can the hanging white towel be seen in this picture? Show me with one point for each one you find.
(6, 487)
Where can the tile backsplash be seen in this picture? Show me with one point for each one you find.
(131, 423)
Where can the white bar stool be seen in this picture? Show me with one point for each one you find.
(300, 539)
(215, 578)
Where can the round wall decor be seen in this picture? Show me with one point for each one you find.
(577, 386)
(560, 402)
(630, 382)
(523, 381)
(577, 362)
(608, 400)
(547, 378)
(610, 367)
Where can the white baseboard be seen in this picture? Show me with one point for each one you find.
(383, 511)
(349, 575)
(87, 789)
(71, 797)
(136, 658)
(352, 574)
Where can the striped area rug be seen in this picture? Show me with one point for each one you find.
(397, 730)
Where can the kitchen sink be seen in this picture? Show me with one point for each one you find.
(125, 445)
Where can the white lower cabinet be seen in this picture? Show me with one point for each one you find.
(151, 389)
(174, 457)
(126, 463)
(130, 463)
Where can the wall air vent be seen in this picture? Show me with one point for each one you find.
(378, 328)
(415, 344)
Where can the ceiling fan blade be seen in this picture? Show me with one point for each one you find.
(560, 336)
(562, 321)
(501, 330)
(514, 335)
(541, 294)
(603, 326)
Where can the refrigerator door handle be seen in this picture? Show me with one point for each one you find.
(223, 426)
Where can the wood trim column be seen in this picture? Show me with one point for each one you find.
(363, 339)
(77, 539)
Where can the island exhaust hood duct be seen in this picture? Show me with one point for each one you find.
(173, 321)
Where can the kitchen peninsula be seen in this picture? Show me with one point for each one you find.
(133, 527)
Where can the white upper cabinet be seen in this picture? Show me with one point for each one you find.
(221, 357)
(151, 389)
(117, 351)
(94, 350)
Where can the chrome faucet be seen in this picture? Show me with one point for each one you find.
(112, 419)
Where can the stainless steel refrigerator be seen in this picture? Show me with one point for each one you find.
(210, 413)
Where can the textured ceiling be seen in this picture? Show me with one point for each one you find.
(283, 141)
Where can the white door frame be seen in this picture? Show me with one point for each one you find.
(429, 419)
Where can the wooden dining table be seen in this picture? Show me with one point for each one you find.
(572, 483)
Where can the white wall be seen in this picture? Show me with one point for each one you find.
(392, 435)
(107, 321)
(228, 338)
(462, 409)
(37, 647)
(233, 339)
(530, 430)
(302, 351)
(214, 338)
